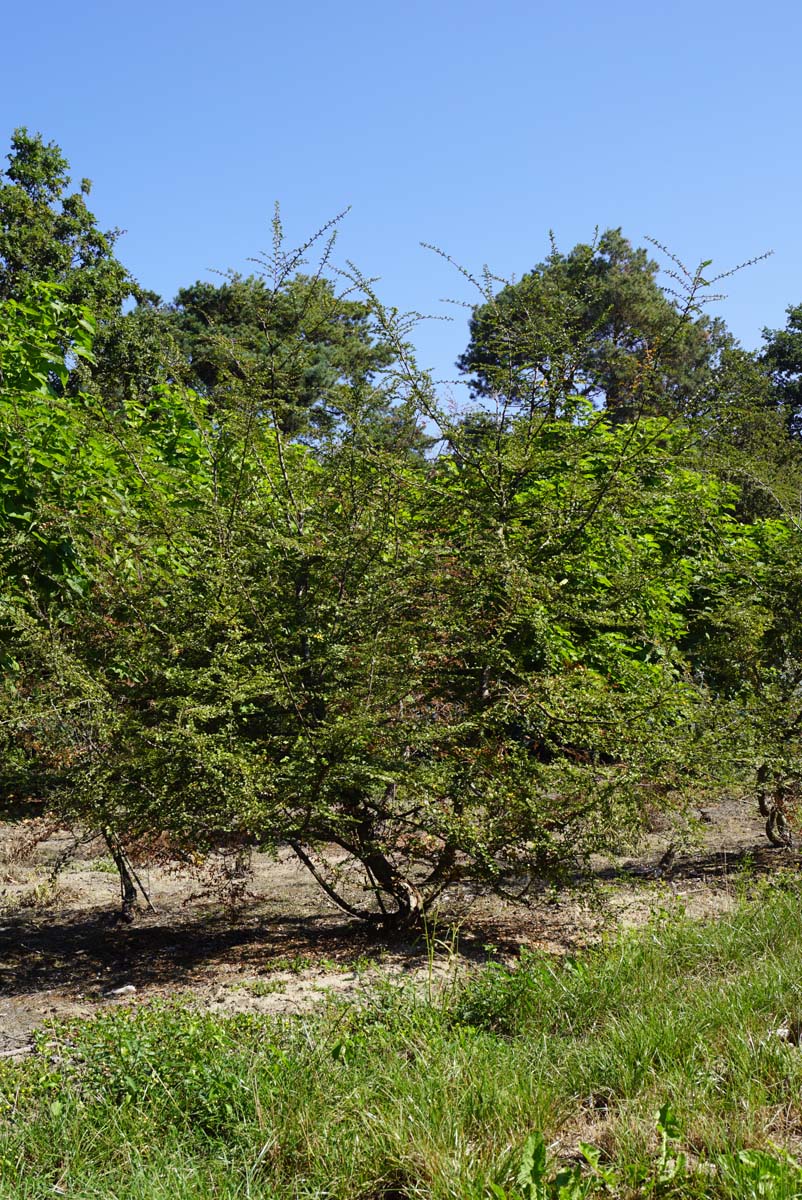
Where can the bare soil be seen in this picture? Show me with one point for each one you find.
(283, 946)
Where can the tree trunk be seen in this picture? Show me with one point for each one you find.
(409, 903)
(127, 884)
(389, 888)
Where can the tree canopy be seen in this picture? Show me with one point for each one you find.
(300, 345)
(242, 604)
(47, 232)
(594, 323)
(782, 356)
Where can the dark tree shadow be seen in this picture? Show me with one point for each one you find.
(91, 953)
(719, 866)
(88, 953)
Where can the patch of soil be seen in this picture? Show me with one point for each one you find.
(284, 946)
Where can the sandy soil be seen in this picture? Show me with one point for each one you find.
(283, 946)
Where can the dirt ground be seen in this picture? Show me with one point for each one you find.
(283, 946)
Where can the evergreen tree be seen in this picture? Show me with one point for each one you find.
(783, 359)
(592, 323)
(299, 349)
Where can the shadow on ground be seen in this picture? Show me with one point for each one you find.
(709, 868)
(88, 953)
(85, 953)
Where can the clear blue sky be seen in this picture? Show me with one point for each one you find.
(475, 126)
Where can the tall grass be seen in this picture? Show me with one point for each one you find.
(404, 1096)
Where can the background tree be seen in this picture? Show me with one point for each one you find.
(782, 357)
(301, 345)
(299, 341)
(47, 232)
(594, 323)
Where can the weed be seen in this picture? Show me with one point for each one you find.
(260, 987)
(43, 895)
(291, 966)
(104, 865)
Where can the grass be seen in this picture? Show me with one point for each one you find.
(648, 1067)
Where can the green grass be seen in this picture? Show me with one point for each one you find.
(402, 1097)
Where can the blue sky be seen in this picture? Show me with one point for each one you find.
(477, 127)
